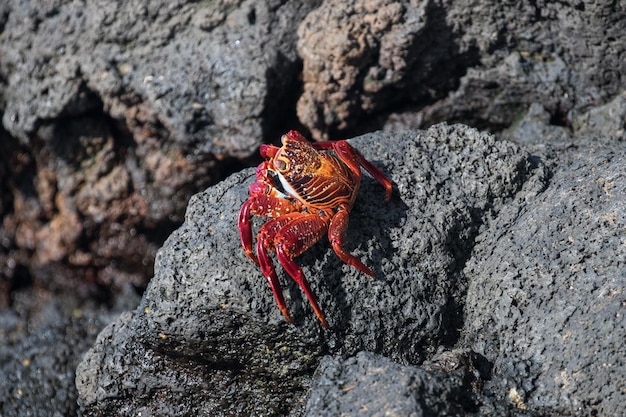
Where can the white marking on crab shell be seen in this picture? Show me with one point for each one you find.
(282, 195)
(286, 186)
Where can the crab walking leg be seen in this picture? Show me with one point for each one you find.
(353, 159)
(337, 236)
(294, 239)
(375, 173)
(245, 230)
(263, 201)
(265, 243)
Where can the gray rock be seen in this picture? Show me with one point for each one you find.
(605, 120)
(44, 337)
(114, 114)
(534, 127)
(545, 301)
(450, 384)
(203, 72)
(243, 367)
(209, 307)
(372, 385)
(481, 248)
(488, 62)
(37, 372)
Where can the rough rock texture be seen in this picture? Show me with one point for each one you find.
(356, 56)
(202, 72)
(478, 62)
(235, 366)
(208, 304)
(43, 340)
(115, 113)
(374, 385)
(36, 375)
(546, 301)
(501, 293)
(450, 384)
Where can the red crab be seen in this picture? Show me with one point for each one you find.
(306, 190)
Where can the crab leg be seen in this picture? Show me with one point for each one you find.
(337, 236)
(307, 190)
(292, 240)
(353, 159)
(245, 230)
(265, 243)
(264, 201)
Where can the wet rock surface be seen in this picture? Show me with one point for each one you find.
(43, 340)
(114, 114)
(37, 374)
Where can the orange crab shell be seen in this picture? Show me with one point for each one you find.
(317, 179)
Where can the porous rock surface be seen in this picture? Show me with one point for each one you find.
(551, 278)
(43, 340)
(470, 316)
(479, 62)
(115, 113)
(410, 390)
(37, 374)
(210, 311)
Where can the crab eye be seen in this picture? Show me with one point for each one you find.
(281, 165)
